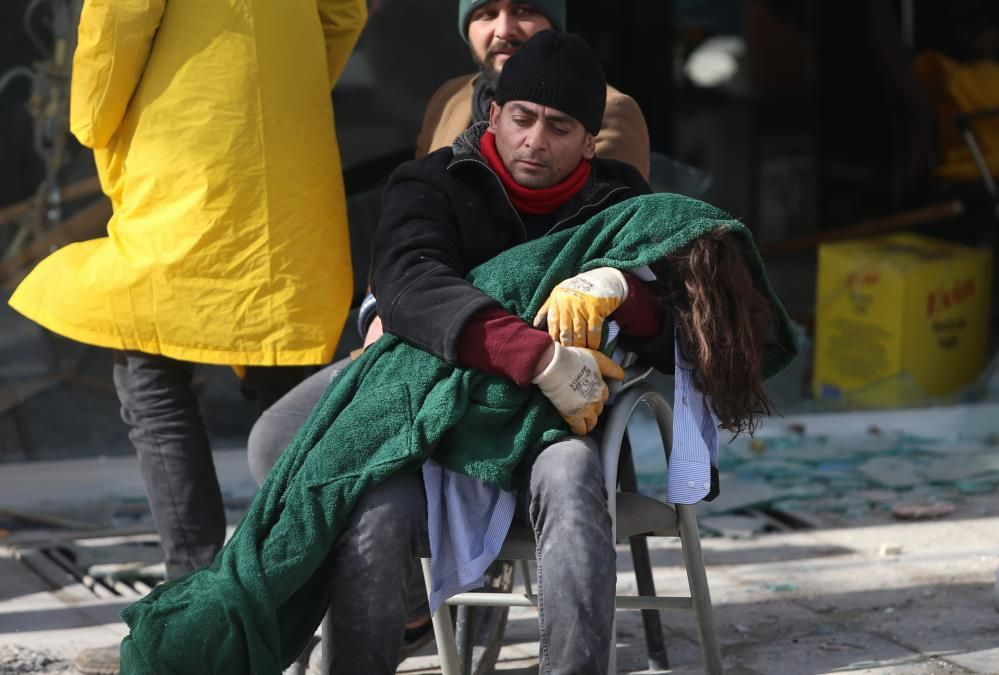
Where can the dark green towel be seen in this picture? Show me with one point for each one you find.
(257, 605)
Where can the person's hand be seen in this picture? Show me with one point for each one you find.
(573, 381)
(577, 307)
(374, 332)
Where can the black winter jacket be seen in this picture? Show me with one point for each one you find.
(446, 213)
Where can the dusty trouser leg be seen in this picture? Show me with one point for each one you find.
(374, 559)
(277, 425)
(576, 558)
(170, 439)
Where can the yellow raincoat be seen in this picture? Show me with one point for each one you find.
(212, 129)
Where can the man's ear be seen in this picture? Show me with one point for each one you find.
(589, 146)
(494, 115)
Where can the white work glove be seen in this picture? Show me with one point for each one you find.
(577, 307)
(574, 383)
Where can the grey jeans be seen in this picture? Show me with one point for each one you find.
(168, 433)
(279, 423)
(565, 503)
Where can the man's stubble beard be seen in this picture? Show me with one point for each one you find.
(487, 66)
(535, 181)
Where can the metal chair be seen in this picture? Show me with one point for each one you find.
(632, 516)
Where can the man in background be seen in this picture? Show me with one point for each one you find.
(494, 30)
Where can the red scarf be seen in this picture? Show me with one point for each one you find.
(529, 200)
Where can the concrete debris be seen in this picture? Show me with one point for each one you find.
(45, 519)
(15, 660)
(980, 466)
(894, 472)
(886, 550)
(784, 587)
(841, 469)
(922, 511)
(734, 527)
(739, 495)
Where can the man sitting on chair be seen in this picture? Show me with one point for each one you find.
(528, 172)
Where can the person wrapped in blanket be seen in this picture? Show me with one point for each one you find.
(530, 172)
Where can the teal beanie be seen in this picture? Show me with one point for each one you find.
(554, 10)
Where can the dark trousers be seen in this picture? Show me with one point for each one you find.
(375, 554)
(171, 441)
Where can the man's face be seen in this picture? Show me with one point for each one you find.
(499, 28)
(539, 146)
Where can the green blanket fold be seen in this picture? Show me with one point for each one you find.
(256, 606)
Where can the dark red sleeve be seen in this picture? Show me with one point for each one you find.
(495, 341)
(641, 315)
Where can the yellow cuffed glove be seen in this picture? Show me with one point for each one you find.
(577, 307)
(574, 382)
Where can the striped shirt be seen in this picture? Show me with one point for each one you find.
(695, 437)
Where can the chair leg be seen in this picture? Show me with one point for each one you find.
(479, 630)
(301, 665)
(447, 650)
(651, 618)
(612, 660)
(698, 581)
(463, 636)
(326, 645)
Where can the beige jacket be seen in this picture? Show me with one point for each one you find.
(624, 135)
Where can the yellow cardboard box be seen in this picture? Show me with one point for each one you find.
(899, 319)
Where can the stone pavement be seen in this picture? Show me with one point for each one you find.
(822, 601)
(885, 598)
(829, 590)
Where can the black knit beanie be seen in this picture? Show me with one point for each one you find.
(554, 11)
(558, 70)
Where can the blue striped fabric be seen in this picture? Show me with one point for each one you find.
(467, 521)
(695, 437)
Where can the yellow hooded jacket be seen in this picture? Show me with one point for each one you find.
(212, 130)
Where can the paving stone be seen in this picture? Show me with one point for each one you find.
(926, 609)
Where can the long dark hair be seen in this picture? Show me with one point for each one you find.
(724, 320)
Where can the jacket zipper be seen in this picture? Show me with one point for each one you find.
(520, 221)
(583, 208)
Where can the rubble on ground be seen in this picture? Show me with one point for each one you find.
(790, 475)
(15, 660)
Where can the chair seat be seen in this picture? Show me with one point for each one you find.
(636, 514)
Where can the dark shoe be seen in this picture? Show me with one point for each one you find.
(416, 637)
(99, 661)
